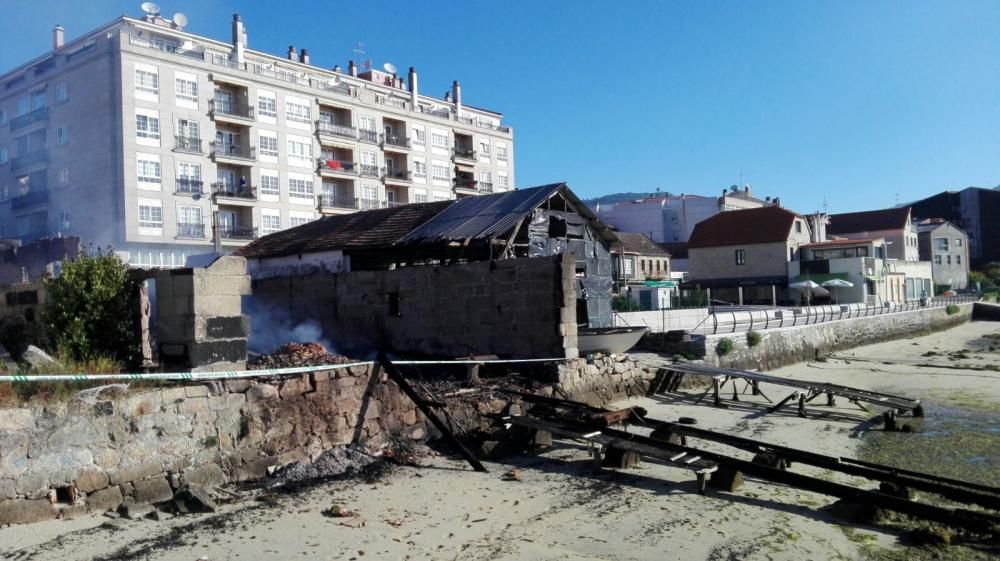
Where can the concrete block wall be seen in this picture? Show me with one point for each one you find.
(521, 308)
(200, 323)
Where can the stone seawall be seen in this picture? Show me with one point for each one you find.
(790, 345)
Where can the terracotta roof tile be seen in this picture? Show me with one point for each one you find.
(868, 221)
(742, 227)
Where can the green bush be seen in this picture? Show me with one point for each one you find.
(753, 338)
(624, 304)
(952, 309)
(88, 312)
(725, 346)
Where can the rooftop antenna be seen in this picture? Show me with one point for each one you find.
(360, 50)
(897, 198)
(825, 210)
(151, 9)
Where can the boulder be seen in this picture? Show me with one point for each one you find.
(38, 358)
(194, 499)
(154, 490)
(26, 511)
(105, 500)
(92, 480)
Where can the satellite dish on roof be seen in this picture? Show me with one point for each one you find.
(151, 8)
(180, 19)
(389, 67)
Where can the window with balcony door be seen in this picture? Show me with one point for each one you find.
(368, 164)
(419, 168)
(369, 196)
(190, 215)
(502, 180)
(366, 128)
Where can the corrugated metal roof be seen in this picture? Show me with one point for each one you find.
(482, 217)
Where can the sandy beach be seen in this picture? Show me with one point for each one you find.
(563, 508)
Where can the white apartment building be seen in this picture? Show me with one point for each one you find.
(162, 143)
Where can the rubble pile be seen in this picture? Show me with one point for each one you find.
(350, 461)
(296, 354)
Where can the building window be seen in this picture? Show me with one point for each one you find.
(64, 220)
(150, 216)
(148, 172)
(484, 148)
(4, 157)
(501, 152)
(63, 177)
(187, 90)
(270, 223)
(3, 117)
(937, 259)
(948, 260)
(439, 140)
(485, 177)
(958, 259)
(502, 180)
(268, 145)
(741, 257)
(419, 168)
(269, 185)
(299, 188)
(958, 242)
(190, 215)
(419, 136)
(267, 105)
(440, 172)
(39, 100)
(419, 197)
(297, 112)
(791, 254)
(798, 227)
(941, 244)
(147, 81)
(441, 197)
(147, 126)
(295, 220)
(62, 135)
(299, 151)
(62, 93)
(4, 193)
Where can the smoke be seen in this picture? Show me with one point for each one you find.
(271, 328)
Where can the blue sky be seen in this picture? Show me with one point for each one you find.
(857, 103)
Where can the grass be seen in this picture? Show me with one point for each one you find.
(16, 393)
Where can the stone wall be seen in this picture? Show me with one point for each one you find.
(789, 345)
(517, 308)
(143, 446)
(603, 379)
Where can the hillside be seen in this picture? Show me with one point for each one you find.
(612, 198)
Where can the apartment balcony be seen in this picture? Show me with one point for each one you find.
(231, 111)
(189, 231)
(31, 158)
(187, 144)
(29, 199)
(335, 204)
(187, 186)
(224, 152)
(365, 135)
(335, 131)
(465, 186)
(464, 154)
(222, 189)
(336, 168)
(238, 233)
(367, 170)
(371, 204)
(40, 114)
(397, 175)
(395, 142)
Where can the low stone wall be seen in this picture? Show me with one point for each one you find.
(790, 345)
(69, 458)
(603, 379)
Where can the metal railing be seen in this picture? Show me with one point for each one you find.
(40, 114)
(486, 186)
(334, 165)
(333, 201)
(189, 186)
(223, 189)
(464, 153)
(397, 174)
(21, 162)
(465, 183)
(231, 109)
(187, 144)
(366, 135)
(165, 48)
(234, 151)
(33, 197)
(345, 131)
(395, 140)
(190, 230)
(238, 233)
(342, 88)
(368, 170)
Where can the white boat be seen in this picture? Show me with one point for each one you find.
(608, 339)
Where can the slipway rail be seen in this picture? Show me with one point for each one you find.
(564, 418)
(805, 390)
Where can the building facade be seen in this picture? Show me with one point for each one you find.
(895, 225)
(946, 247)
(163, 143)
(975, 211)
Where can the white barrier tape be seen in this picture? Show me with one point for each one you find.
(228, 375)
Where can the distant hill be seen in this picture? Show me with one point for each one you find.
(619, 198)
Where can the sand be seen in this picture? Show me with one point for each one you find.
(562, 508)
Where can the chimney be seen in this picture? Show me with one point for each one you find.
(336, 68)
(777, 202)
(239, 39)
(746, 189)
(58, 36)
(291, 53)
(352, 69)
(304, 56)
(456, 96)
(411, 79)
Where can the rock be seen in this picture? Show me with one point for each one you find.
(261, 392)
(194, 499)
(7, 490)
(69, 512)
(154, 490)
(92, 480)
(38, 358)
(105, 500)
(81, 432)
(13, 420)
(136, 511)
(132, 473)
(206, 476)
(727, 479)
(21, 511)
(32, 485)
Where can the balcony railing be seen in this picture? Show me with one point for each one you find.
(395, 140)
(190, 230)
(231, 109)
(397, 174)
(369, 204)
(190, 186)
(224, 189)
(40, 114)
(334, 165)
(166, 48)
(21, 162)
(485, 186)
(465, 183)
(334, 201)
(345, 131)
(187, 144)
(368, 170)
(31, 198)
(464, 153)
(234, 151)
(238, 233)
(366, 135)
(342, 88)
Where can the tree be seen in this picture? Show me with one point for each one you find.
(88, 313)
